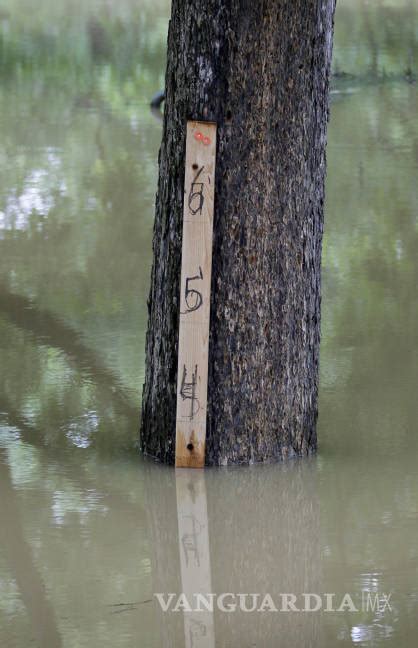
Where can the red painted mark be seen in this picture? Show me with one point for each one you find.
(201, 138)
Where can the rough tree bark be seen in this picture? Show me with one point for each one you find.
(260, 69)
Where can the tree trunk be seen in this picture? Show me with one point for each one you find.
(260, 70)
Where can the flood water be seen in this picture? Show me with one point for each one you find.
(88, 530)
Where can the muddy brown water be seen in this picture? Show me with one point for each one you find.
(89, 532)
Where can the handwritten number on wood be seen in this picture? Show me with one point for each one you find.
(196, 198)
(193, 297)
(188, 391)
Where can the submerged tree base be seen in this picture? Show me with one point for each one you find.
(266, 87)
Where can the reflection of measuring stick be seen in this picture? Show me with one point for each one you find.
(189, 540)
(194, 306)
(195, 571)
(197, 629)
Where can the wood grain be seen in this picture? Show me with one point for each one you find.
(196, 269)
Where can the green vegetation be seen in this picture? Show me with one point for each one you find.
(91, 51)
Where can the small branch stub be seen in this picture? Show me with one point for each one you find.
(196, 269)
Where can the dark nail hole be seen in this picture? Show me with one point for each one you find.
(228, 115)
(190, 446)
(194, 166)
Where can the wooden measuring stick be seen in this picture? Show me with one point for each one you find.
(196, 269)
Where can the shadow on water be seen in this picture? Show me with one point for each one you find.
(19, 556)
(56, 424)
(48, 329)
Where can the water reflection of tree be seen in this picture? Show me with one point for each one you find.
(370, 261)
(263, 525)
(369, 369)
(375, 40)
(20, 560)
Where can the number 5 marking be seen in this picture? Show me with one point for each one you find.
(193, 297)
